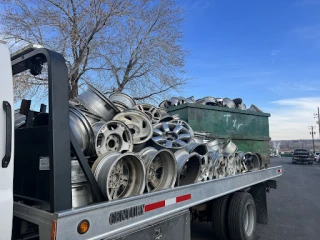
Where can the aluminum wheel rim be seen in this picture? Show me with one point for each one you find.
(120, 107)
(227, 102)
(119, 175)
(138, 123)
(184, 124)
(219, 165)
(214, 145)
(229, 148)
(206, 171)
(211, 101)
(97, 103)
(152, 112)
(122, 99)
(188, 167)
(113, 136)
(170, 135)
(161, 168)
(231, 165)
(252, 161)
(82, 129)
(248, 220)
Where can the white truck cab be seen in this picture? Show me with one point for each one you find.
(6, 143)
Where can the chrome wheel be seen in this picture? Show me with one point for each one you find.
(122, 99)
(188, 167)
(219, 165)
(227, 102)
(97, 103)
(170, 135)
(161, 169)
(152, 112)
(82, 130)
(119, 175)
(112, 136)
(138, 123)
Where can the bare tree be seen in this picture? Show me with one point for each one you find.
(124, 45)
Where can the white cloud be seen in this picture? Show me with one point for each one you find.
(295, 87)
(290, 118)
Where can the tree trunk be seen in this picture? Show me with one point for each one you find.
(73, 89)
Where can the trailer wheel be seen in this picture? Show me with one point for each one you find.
(220, 208)
(242, 217)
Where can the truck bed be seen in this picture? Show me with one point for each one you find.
(115, 218)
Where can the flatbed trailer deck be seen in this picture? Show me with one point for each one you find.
(118, 218)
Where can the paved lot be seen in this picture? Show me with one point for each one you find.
(294, 208)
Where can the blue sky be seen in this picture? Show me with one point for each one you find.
(267, 52)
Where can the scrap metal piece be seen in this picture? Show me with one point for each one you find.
(219, 164)
(112, 136)
(97, 103)
(138, 123)
(82, 130)
(170, 135)
(188, 167)
(124, 101)
(153, 113)
(227, 102)
(119, 175)
(161, 168)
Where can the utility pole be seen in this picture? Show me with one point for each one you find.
(312, 134)
(317, 115)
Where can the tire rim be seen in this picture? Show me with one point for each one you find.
(231, 165)
(211, 101)
(206, 169)
(112, 136)
(97, 103)
(138, 123)
(200, 137)
(249, 220)
(119, 175)
(122, 99)
(161, 168)
(82, 130)
(184, 124)
(229, 148)
(120, 107)
(215, 145)
(219, 165)
(152, 112)
(252, 161)
(227, 102)
(188, 167)
(171, 135)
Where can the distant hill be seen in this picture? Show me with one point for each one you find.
(290, 145)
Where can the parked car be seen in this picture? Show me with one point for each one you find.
(302, 155)
(316, 156)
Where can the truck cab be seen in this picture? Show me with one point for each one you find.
(6, 143)
(302, 155)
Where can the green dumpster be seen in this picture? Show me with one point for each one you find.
(248, 130)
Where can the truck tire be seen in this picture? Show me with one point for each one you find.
(220, 207)
(242, 217)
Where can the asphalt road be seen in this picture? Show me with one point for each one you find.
(294, 208)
